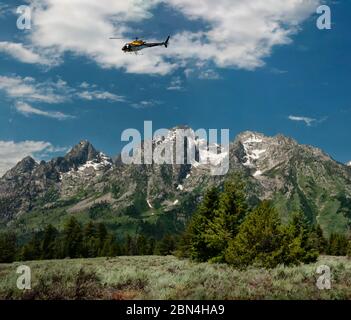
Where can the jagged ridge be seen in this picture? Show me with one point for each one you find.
(295, 177)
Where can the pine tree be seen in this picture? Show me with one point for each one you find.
(320, 242)
(89, 230)
(128, 246)
(33, 249)
(8, 247)
(73, 239)
(349, 249)
(231, 211)
(91, 243)
(337, 245)
(101, 237)
(300, 246)
(142, 245)
(260, 240)
(49, 243)
(193, 241)
(166, 246)
(151, 246)
(110, 247)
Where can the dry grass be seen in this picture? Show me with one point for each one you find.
(127, 278)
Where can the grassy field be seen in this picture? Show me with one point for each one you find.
(126, 278)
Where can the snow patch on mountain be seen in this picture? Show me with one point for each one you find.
(211, 155)
(254, 150)
(101, 162)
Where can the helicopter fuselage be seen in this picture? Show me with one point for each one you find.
(139, 45)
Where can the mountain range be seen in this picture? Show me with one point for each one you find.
(159, 199)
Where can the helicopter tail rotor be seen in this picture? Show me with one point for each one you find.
(167, 41)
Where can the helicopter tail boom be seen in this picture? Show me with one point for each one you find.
(167, 41)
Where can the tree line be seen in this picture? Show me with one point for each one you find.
(80, 241)
(223, 229)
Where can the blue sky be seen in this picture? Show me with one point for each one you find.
(63, 82)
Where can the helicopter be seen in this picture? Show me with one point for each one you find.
(138, 45)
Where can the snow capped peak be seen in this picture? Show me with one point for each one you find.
(100, 162)
(349, 164)
(254, 147)
(250, 137)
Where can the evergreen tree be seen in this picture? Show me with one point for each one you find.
(128, 246)
(142, 245)
(349, 249)
(91, 243)
(72, 239)
(166, 246)
(320, 243)
(101, 237)
(337, 245)
(8, 247)
(260, 240)
(101, 232)
(193, 242)
(89, 230)
(299, 241)
(231, 211)
(151, 246)
(33, 249)
(110, 247)
(49, 243)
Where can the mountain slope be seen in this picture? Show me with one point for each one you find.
(160, 198)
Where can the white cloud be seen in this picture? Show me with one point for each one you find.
(278, 71)
(100, 95)
(29, 90)
(84, 27)
(27, 110)
(146, 104)
(176, 84)
(308, 121)
(209, 74)
(86, 85)
(23, 54)
(12, 152)
(240, 33)
(4, 9)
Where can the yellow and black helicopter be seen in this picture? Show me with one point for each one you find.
(138, 45)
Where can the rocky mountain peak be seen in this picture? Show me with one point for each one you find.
(261, 153)
(26, 165)
(83, 152)
(252, 135)
(293, 176)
